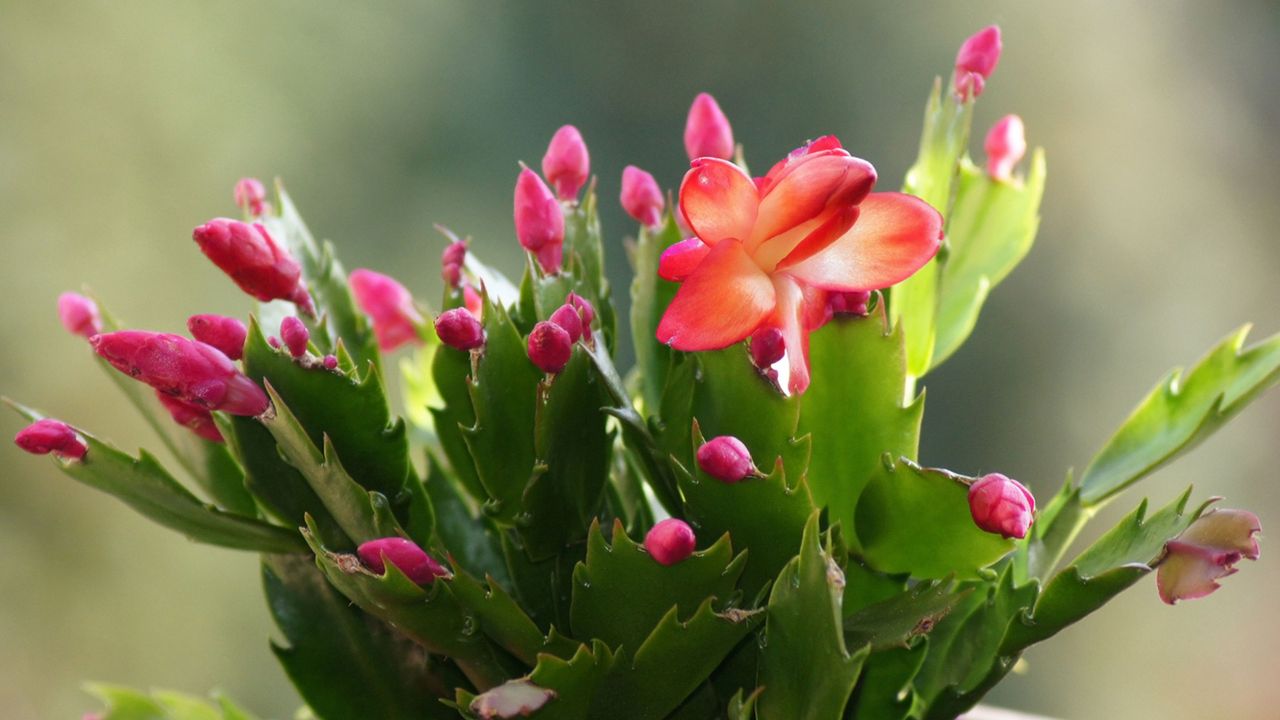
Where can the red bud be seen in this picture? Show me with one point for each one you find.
(584, 309)
(194, 418)
(539, 220)
(251, 257)
(707, 132)
(451, 262)
(550, 347)
(975, 62)
(251, 196)
(295, 336)
(459, 329)
(567, 317)
(79, 314)
(411, 560)
(1005, 145)
(395, 318)
(1001, 505)
(225, 333)
(727, 459)
(567, 163)
(51, 436)
(641, 197)
(330, 362)
(670, 541)
(767, 346)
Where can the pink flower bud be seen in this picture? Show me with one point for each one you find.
(1001, 505)
(225, 333)
(1005, 145)
(539, 221)
(395, 318)
(247, 253)
(681, 259)
(584, 309)
(670, 541)
(79, 314)
(194, 418)
(51, 436)
(330, 362)
(274, 342)
(567, 163)
(849, 303)
(550, 347)
(976, 61)
(727, 459)
(707, 132)
(295, 336)
(411, 560)
(1206, 552)
(251, 196)
(472, 301)
(567, 317)
(641, 197)
(459, 329)
(767, 346)
(451, 261)
(192, 371)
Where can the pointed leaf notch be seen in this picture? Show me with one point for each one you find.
(1181, 411)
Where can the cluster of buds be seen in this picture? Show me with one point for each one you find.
(451, 262)
(249, 255)
(551, 342)
(390, 305)
(408, 558)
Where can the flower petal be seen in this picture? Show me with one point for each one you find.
(831, 226)
(792, 316)
(809, 185)
(679, 260)
(718, 200)
(895, 235)
(721, 303)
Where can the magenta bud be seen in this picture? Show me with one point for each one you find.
(1001, 505)
(248, 254)
(390, 305)
(295, 336)
(1206, 552)
(707, 132)
(567, 317)
(567, 163)
(641, 197)
(670, 541)
(251, 196)
(194, 418)
(274, 342)
(539, 221)
(459, 329)
(849, 303)
(727, 459)
(196, 373)
(550, 347)
(451, 261)
(330, 362)
(411, 560)
(584, 309)
(79, 314)
(1005, 145)
(225, 333)
(767, 346)
(51, 436)
(679, 260)
(975, 62)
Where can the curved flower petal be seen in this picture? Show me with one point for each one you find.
(791, 316)
(679, 260)
(805, 187)
(718, 200)
(721, 303)
(818, 233)
(895, 235)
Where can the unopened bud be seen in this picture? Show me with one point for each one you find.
(1005, 145)
(330, 362)
(975, 62)
(197, 373)
(727, 459)
(849, 303)
(251, 196)
(1206, 552)
(1001, 505)
(707, 132)
(584, 309)
(567, 317)
(410, 559)
(550, 347)
(254, 261)
(451, 261)
(194, 418)
(679, 260)
(79, 314)
(51, 436)
(295, 336)
(274, 342)
(539, 220)
(670, 541)
(767, 346)
(225, 333)
(567, 163)
(390, 305)
(641, 197)
(459, 329)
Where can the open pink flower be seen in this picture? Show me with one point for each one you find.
(768, 250)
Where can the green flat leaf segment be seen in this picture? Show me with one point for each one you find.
(855, 413)
(899, 620)
(885, 690)
(916, 520)
(126, 704)
(805, 668)
(650, 296)
(144, 485)
(1182, 410)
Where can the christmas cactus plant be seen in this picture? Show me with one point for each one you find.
(737, 527)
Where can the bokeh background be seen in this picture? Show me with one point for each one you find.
(123, 125)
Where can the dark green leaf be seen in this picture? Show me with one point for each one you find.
(899, 620)
(650, 296)
(451, 370)
(885, 691)
(472, 541)
(576, 682)
(503, 620)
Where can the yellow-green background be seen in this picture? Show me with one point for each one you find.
(124, 124)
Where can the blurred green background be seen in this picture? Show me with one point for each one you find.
(125, 124)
